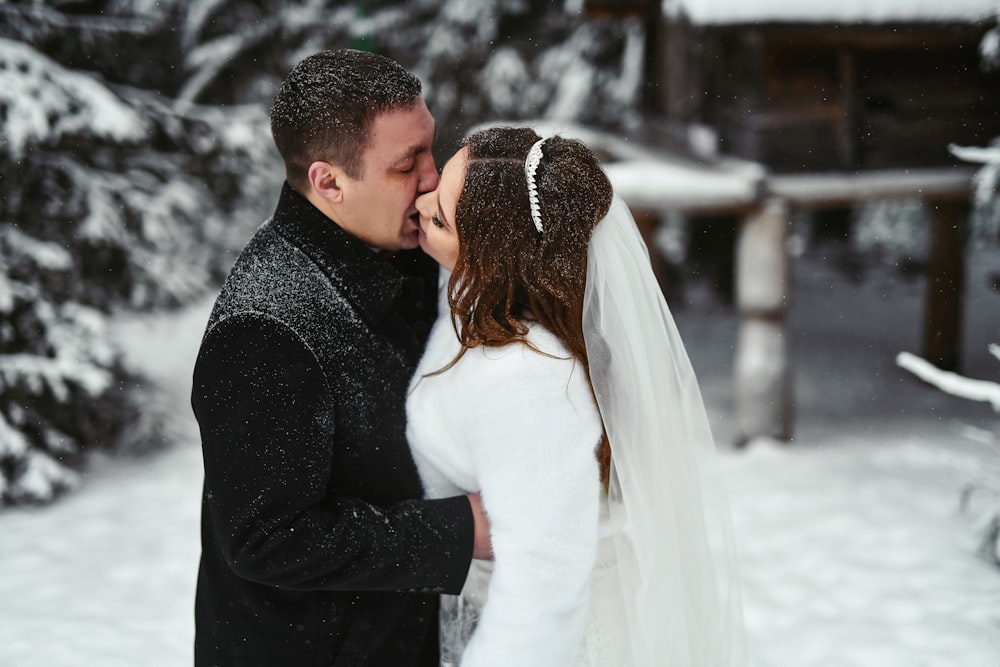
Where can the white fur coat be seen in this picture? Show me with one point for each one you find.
(521, 428)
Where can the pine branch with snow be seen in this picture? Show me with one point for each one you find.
(951, 383)
(60, 380)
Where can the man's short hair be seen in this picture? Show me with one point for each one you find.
(325, 107)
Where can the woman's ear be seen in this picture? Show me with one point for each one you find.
(327, 181)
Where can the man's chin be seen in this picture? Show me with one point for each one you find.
(410, 241)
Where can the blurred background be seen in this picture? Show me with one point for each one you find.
(817, 185)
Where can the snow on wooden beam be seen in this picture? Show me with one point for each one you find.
(661, 184)
(837, 189)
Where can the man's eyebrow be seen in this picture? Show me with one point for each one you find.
(410, 154)
(414, 151)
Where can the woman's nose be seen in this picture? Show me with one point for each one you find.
(421, 205)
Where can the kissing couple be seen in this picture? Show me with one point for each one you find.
(447, 419)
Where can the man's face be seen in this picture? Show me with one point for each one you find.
(379, 206)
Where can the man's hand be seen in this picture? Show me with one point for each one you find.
(483, 548)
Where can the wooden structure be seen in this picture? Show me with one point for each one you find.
(825, 96)
(836, 102)
(820, 86)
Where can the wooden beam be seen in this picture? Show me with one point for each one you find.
(887, 36)
(616, 8)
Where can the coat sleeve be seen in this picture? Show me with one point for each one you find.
(533, 444)
(266, 419)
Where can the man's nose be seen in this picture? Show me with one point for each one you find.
(428, 175)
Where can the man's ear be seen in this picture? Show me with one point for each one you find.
(327, 181)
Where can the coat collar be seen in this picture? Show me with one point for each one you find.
(368, 282)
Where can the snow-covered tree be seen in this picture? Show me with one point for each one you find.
(988, 226)
(110, 199)
(987, 199)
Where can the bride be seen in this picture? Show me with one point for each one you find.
(556, 385)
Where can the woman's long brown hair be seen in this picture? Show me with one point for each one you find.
(507, 272)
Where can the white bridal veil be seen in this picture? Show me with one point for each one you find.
(676, 553)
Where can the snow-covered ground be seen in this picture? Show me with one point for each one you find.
(854, 548)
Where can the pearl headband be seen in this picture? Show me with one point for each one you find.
(530, 167)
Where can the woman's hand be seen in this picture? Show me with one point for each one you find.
(483, 547)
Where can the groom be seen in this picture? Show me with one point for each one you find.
(316, 547)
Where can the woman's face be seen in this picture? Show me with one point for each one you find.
(438, 234)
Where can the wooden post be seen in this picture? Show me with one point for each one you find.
(847, 130)
(946, 283)
(762, 381)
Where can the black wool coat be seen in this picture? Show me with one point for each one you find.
(316, 549)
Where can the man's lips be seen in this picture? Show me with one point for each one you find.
(418, 229)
